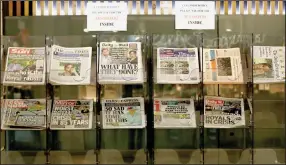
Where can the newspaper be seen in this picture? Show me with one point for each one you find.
(222, 112)
(177, 65)
(24, 113)
(70, 66)
(72, 114)
(120, 63)
(174, 113)
(123, 113)
(223, 66)
(25, 66)
(268, 64)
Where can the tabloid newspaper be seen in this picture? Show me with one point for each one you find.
(120, 63)
(177, 65)
(224, 66)
(70, 66)
(174, 113)
(72, 114)
(268, 64)
(25, 66)
(24, 113)
(123, 113)
(222, 112)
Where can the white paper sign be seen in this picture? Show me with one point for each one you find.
(195, 14)
(106, 16)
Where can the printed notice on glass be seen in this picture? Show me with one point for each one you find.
(195, 14)
(107, 16)
(174, 113)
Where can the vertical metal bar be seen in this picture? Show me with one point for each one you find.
(150, 114)
(252, 114)
(5, 11)
(146, 53)
(49, 96)
(1, 55)
(201, 101)
(218, 88)
(218, 46)
(98, 106)
(284, 44)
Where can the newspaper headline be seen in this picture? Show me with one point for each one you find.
(120, 62)
(178, 65)
(25, 66)
(72, 114)
(222, 112)
(123, 113)
(70, 65)
(174, 113)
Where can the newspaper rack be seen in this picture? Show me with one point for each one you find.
(147, 88)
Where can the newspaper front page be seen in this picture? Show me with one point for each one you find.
(70, 66)
(177, 65)
(24, 113)
(120, 63)
(72, 114)
(268, 64)
(222, 112)
(174, 113)
(223, 66)
(123, 113)
(25, 66)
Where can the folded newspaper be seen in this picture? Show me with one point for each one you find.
(224, 66)
(25, 66)
(174, 113)
(177, 65)
(120, 63)
(123, 113)
(268, 64)
(24, 113)
(72, 114)
(220, 112)
(70, 66)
